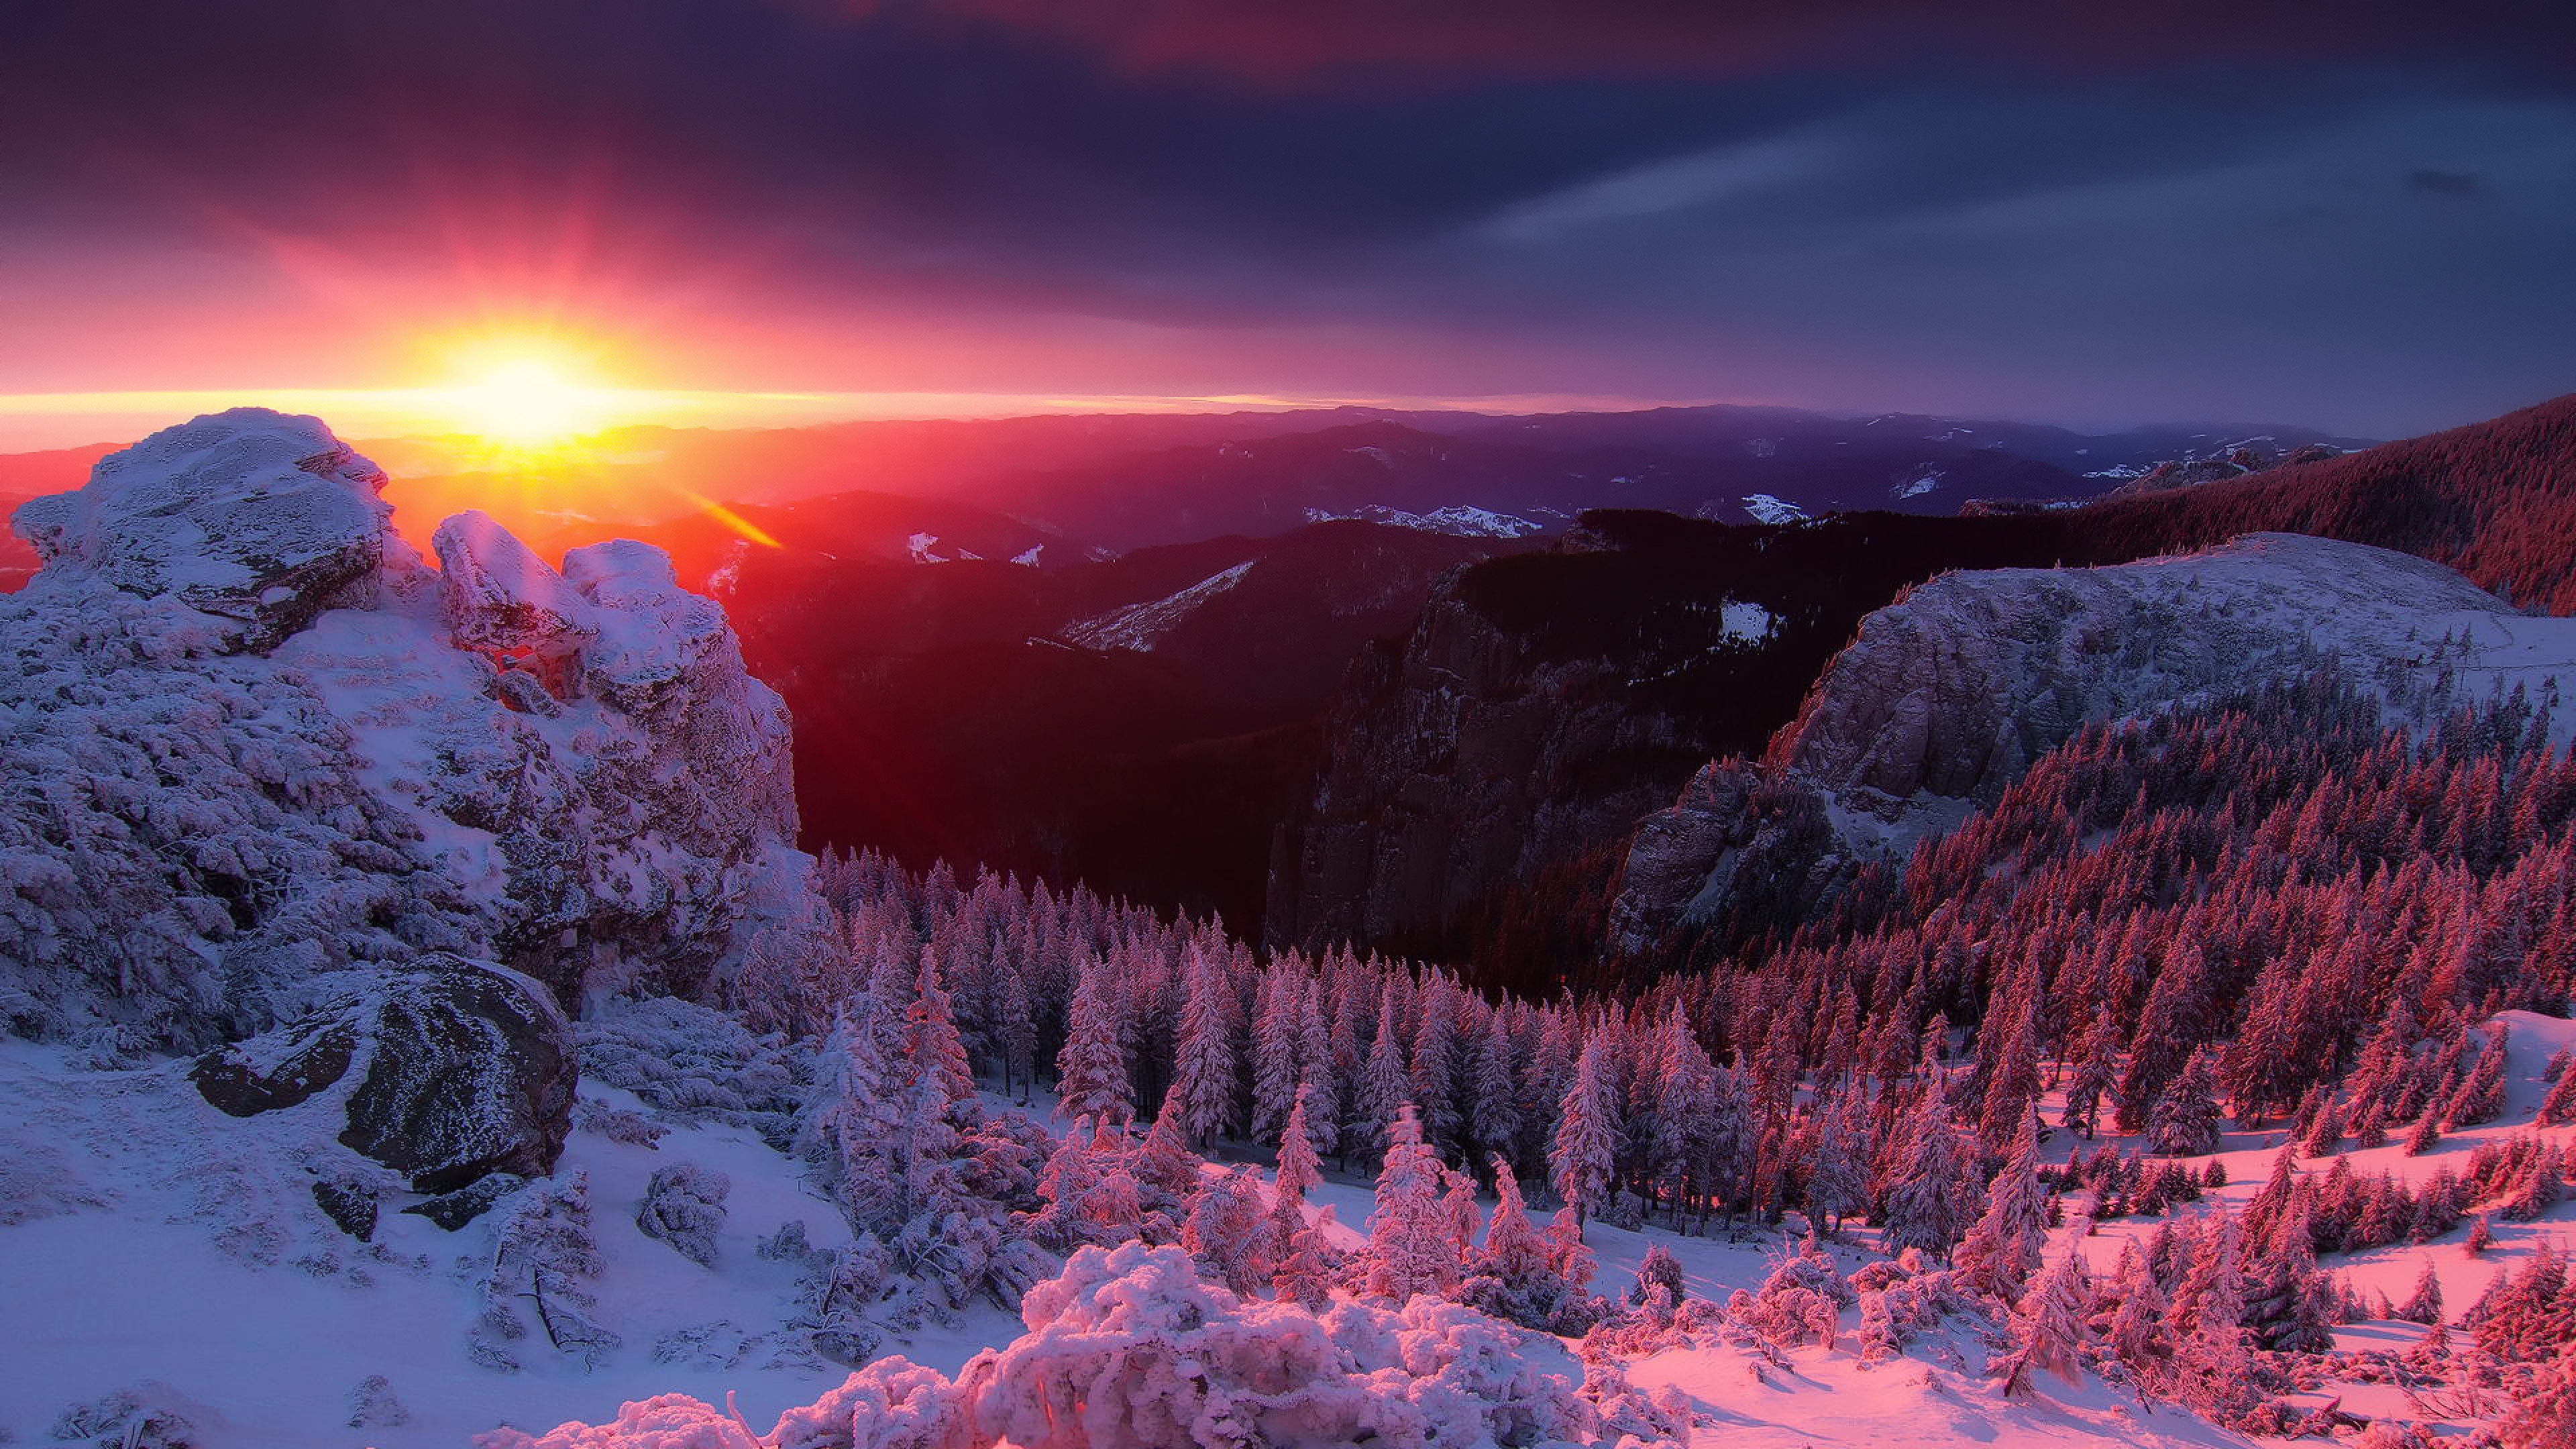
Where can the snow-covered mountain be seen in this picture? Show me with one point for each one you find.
(421, 1026)
(1946, 697)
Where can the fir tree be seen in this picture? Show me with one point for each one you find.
(2048, 1325)
(2424, 1305)
(1202, 1097)
(1411, 1246)
(1933, 1195)
(2185, 1122)
(1587, 1138)
(2003, 1248)
(1091, 1070)
(1493, 1091)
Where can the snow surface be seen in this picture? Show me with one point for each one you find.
(1767, 509)
(184, 1246)
(1139, 627)
(1458, 520)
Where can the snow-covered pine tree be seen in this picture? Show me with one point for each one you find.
(2136, 1331)
(1434, 1071)
(1091, 1070)
(1932, 1196)
(1838, 1178)
(1306, 1275)
(2424, 1305)
(2212, 1371)
(1202, 1096)
(1384, 1086)
(2003, 1248)
(1412, 1248)
(1586, 1144)
(1493, 1124)
(1227, 1231)
(2558, 1108)
(1277, 1058)
(2185, 1121)
(2480, 1098)
(2049, 1325)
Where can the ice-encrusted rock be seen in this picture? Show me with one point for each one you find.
(1946, 696)
(571, 775)
(248, 515)
(456, 1069)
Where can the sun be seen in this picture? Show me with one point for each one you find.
(528, 401)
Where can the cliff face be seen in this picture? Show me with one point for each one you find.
(260, 739)
(1946, 697)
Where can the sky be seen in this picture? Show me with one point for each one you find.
(2359, 217)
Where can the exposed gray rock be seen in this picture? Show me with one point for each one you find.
(462, 1069)
(453, 1210)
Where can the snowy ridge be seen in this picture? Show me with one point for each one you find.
(1139, 627)
(1458, 520)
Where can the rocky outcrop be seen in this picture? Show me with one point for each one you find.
(248, 516)
(265, 740)
(1947, 696)
(444, 1070)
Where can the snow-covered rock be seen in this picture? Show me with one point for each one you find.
(457, 1069)
(248, 515)
(261, 740)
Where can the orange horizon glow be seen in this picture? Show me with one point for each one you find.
(568, 408)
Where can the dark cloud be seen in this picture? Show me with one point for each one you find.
(1991, 205)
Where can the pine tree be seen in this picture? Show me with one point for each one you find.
(1933, 1194)
(2097, 1074)
(1277, 1059)
(2185, 1122)
(1587, 1137)
(2048, 1325)
(2424, 1305)
(1226, 1230)
(1305, 1275)
(1091, 1070)
(1838, 1180)
(2558, 1109)
(1202, 1096)
(2136, 1332)
(2211, 1366)
(2003, 1248)
(1165, 1168)
(1434, 1072)
(1513, 1251)
(1411, 1249)
(1384, 1087)
(1493, 1091)
(2480, 1098)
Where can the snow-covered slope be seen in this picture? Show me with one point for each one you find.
(1139, 627)
(262, 739)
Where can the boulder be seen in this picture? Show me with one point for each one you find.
(445, 1070)
(252, 516)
